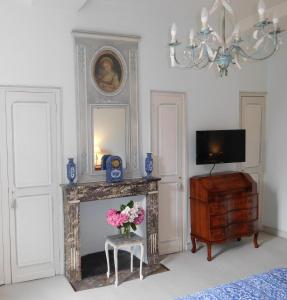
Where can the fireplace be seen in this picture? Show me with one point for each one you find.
(100, 191)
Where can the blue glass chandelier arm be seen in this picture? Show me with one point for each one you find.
(244, 54)
(200, 62)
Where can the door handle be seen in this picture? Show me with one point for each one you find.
(180, 186)
(13, 199)
(14, 204)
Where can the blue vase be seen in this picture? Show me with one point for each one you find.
(71, 170)
(149, 165)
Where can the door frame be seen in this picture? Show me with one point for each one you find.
(185, 164)
(4, 182)
(243, 94)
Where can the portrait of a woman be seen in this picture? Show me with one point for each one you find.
(108, 72)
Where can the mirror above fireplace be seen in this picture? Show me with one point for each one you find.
(107, 98)
(110, 133)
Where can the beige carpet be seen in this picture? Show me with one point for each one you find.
(188, 273)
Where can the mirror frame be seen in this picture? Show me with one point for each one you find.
(87, 44)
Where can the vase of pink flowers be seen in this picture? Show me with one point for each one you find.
(127, 218)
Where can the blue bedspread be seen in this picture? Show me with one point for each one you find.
(266, 286)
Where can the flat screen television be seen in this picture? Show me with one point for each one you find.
(220, 146)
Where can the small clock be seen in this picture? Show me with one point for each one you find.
(114, 171)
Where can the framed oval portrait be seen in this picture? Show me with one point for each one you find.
(109, 71)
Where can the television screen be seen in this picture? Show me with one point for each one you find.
(220, 146)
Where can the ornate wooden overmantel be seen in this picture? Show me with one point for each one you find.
(85, 192)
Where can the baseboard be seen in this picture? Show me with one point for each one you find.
(188, 245)
(274, 231)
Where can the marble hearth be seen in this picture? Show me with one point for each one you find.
(73, 195)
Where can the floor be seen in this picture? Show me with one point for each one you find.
(188, 273)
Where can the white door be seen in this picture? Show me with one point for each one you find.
(253, 120)
(32, 182)
(169, 150)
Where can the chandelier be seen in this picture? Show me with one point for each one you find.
(208, 48)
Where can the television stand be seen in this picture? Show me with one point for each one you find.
(223, 206)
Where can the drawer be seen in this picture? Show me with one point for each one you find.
(250, 201)
(219, 221)
(242, 216)
(233, 217)
(223, 205)
(218, 234)
(233, 231)
(237, 230)
(218, 208)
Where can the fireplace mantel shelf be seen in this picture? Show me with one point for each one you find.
(75, 194)
(92, 191)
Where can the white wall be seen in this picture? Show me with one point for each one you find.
(275, 195)
(37, 49)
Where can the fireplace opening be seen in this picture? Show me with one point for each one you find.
(93, 232)
(95, 264)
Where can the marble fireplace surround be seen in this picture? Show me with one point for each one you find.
(73, 195)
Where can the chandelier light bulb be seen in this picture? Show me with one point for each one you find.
(275, 21)
(237, 32)
(173, 32)
(204, 17)
(261, 10)
(191, 37)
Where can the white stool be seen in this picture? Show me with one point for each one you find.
(121, 242)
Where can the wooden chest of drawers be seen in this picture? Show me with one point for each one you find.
(223, 206)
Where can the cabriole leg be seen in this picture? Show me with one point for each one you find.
(193, 240)
(255, 240)
(209, 256)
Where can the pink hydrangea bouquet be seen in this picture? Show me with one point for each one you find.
(129, 216)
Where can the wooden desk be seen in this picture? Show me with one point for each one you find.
(223, 206)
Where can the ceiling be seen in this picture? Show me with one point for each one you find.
(244, 9)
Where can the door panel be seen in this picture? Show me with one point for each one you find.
(168, 212)
(253, 120)
(32, 159)
(35, 247)
(253, 126)
(168, 142)
(31, 143)
(167, 149)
